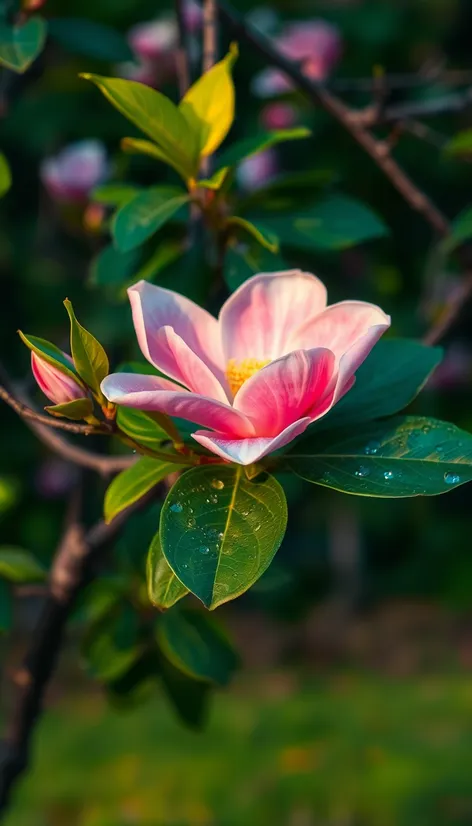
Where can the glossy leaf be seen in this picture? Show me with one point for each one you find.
(136, 146)
(217, 179)
(141, 427)
(90, 359)
(189, 698)
(133, 483)
(111, 266)
(242, 261)
(164, 588)
(85, 37)
(18, 565)
(208, 106)
(76, 410)
(5, 175)
(114, 194)
(263, 236)
(21, 44)
(156, 116)
(220, 531)
(6, 613)
(240, 150)
(403, 456)
(196, 645)
(336, 223)
(389, 379)
(141, 217)
(50, 353)
(112, 644)
(163, 256)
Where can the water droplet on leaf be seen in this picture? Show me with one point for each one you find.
(389, 474)
(217, 483)
(204, 549)
(176, 507)
(451, 478)
(371, 448)
(362, 471)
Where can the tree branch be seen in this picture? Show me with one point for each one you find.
(70, 427)
(414, 109)
(210, 34)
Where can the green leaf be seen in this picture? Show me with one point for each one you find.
(5, 175)
(18, 565)
(114, 194)
(190, 698)
(243, 261)
(112, 267)
(112, 644)
(217, 179)
(403, 456)
(164, 588)
(460, 144)
(163, 256)
(21, 44)
(461, 230)
(144, 430)
(141, 217)
(137, 684)
(90, 359)
(220, 531)
(135, 146)
(240, 150)
(196, 645)
(133, 483)
(84, 37)
(263, 236)
(156, 116)
(208, 106)
(6, 613)
(77, 409)
(50, 353)
(389, 379)
(336, 223)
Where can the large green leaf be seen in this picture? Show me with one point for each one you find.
(386, 382)
(189, 698)
(137, 146)
(156, 116)
(85, 37)
(131, 484)
(220, 531)
(208, 106)
(141, 217)
(336, 223)
(21, 44)
(137, 684)
(114, 194)
(195, 644)
(5, 175)
(164, 588)
(90, 359)
(112, 644)
(141, 427)
(18, 565)
(403, 456)
(112, 267)
(243, 261)
(263, 236)
(50, 353)
(5, 607)
(259, 143)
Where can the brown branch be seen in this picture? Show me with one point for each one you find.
(70, 427)
(414, 109)
(72, 569)
(424, 77)
(451, 312)
(210, 34)
(183, 50)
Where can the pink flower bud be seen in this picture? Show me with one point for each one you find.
(279, 116)
(256, 171)
(57, 386)
(75, 171)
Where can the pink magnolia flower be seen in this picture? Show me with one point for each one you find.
(276, 360)
(75, 171)
(57, 386)
(255, 171)
(153, 39)
(315, 44)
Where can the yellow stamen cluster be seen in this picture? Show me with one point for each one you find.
(237, 372)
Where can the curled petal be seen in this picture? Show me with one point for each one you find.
(57, 386)
(145, 392)
(340, 326)
(247, 451)
(258, 319)
(179, 362)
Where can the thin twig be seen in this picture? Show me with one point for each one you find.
(417, 199)
(70, 427)
(210, 34)
(451, 312)
(414, 109)
(183, 50)
(424, 77)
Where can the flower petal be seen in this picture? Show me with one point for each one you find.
(178, 361)
(296, 385)
(154, 307)
(338, 327)
(146, 392)
(259, 318)
(353, 358)
(247, 451)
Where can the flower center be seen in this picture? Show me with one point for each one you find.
(237, 372)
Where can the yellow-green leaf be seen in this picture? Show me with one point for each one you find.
(208, 105)
(90, 359)
(77, 409)
(137, 146)
(131, 484)
(164, 588)
(21, 44)
(264, 236)
(5, 175)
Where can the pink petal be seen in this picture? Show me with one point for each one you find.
(353, 358)
(247, 451)
(340, 326)
(154, 307)
(294, 386)
(178, 361)
(154, 393)
(259, 318)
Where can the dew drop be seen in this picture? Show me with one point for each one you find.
(257, 527)
(439, 448)
(426, 429)
(191, 522)
(213, 498)
(389, 474)
(204, 549)
(371, 448)
(217, 484)
(362, 471)
(451, 478)
(176, 507)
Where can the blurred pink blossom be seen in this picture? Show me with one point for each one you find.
(193, 15)
(254, 172)
(56, 385)
(455, 370)
(315, 45)
(75, 171)
(279, 116)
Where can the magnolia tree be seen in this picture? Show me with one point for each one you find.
(224, 405)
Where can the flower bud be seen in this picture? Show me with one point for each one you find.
(72, 173)
(57, 386)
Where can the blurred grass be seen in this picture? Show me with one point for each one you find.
(348, 750)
